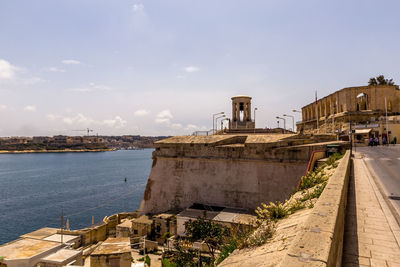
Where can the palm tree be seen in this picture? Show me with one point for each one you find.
(380, 80)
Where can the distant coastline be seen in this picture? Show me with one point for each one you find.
(55, 151)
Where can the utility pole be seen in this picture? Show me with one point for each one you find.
(62, 225)
(316, 106)
(387, 126)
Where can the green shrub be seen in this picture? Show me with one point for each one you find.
(273, 211)
(315, 193)
(166, 263)
(226, 250)
(298, 205)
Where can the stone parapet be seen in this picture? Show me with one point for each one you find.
(320, 240)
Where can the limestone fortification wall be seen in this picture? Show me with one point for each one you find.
(230, 171)
(320, 240)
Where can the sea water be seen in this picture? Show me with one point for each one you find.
(37, 188)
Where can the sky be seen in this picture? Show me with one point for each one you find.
(161, 67)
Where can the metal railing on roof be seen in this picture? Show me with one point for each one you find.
(204, 133)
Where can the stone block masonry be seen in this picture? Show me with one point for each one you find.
(320, 239)
(238, 171)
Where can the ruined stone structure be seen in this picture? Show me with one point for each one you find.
(363, 104)
(238, 170)
(241, 113)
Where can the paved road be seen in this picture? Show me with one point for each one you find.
(384, 164)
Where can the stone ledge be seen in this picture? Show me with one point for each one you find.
(320, 240)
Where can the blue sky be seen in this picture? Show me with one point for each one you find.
(164, 67)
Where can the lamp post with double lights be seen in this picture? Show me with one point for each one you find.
(219, 113)
(284, 122)
(216, 122)
(255, 119)
(291, 116)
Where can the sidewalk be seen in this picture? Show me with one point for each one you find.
(370, 229)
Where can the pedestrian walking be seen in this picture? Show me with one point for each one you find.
(376, 141)
(394, 140)
(371, 141)
(384, 141)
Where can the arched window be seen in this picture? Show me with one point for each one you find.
(362, 101)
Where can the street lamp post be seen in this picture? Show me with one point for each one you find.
(216, 122)
(214, 119)
(284, 122)
(285, 115)
(255, 119)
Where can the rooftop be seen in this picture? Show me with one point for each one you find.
(143, 219)
(113, 246)
(66, 238)
(222, 215)
(214, 139)
(126, 223)
(25, 248)
(62, 256)
(41, 233)
(241, 96)
(193, 139)
(267, 138)
(164, 215)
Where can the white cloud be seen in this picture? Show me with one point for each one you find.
(33, 80)
(54, 69)
(70, 62)
(77, 119)
(52, 117)
(92, 87)
(30, 108)
(83, 121)
(117, 122)
(7, 71)
(192, 69)
(138, 8)
(193, 128)
(176, 126)
(141, 112)
(3, 107)
(164, 116)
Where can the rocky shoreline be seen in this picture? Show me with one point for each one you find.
(55, 151)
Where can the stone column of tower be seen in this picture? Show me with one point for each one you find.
(241, 113)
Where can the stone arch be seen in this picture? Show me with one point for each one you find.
(362, 101)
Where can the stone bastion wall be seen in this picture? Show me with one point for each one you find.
(238, 171)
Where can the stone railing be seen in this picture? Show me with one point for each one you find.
(320, 240)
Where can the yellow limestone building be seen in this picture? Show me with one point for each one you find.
(364, 107)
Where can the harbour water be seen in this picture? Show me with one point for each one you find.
(36, 188)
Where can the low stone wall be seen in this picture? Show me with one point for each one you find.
(320, 241)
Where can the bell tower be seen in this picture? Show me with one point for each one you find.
(241, 113)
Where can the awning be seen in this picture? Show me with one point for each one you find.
(363, 131)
